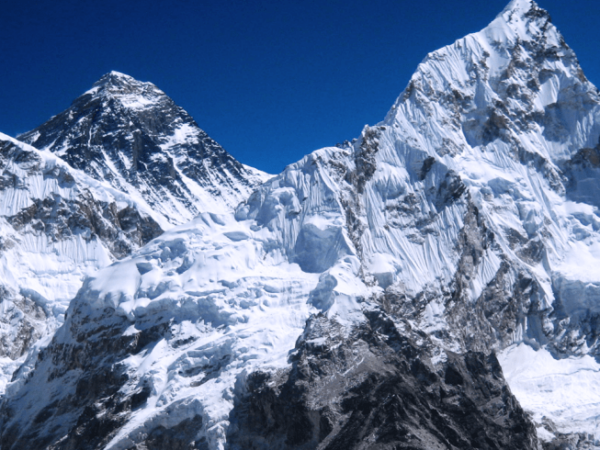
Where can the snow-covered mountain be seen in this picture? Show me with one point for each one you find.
(133, 135)
(359, 299)
(57, 226)
(148, 167)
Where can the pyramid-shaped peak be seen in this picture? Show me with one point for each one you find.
(116, 83)
(113, 75)
(132, 135)
(519, 43)
(523, 21)
(115, 78)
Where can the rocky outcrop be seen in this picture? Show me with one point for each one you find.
(376, 389)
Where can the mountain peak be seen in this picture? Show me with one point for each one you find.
(114, 77)
(522, 6)
(132, 135)
(117, 75)
(519, 48)
(117, 84)
(525, 19)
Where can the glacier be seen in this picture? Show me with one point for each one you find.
(461, 227)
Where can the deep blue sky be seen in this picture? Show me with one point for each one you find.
(270, 80)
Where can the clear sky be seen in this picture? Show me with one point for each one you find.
(270, 80)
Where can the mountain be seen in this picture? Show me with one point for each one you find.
(148, 167)
(58, 226)
(133, 135)
(431, 285)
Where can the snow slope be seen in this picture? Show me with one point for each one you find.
(58, 226)
(561, 393)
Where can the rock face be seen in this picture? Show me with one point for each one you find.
(377, 389)
(373, 295)
(134, 136)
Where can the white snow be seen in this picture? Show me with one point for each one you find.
(46, 270)
(239, 299)
(566, 391)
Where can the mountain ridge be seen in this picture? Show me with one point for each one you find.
(439, 253)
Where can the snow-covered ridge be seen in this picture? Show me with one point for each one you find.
(58, 226)
(133, 135)
(510, 111)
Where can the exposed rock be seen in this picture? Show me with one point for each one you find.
(134, 136)
(376, 389)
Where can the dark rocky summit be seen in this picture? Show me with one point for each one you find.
(133, 135)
